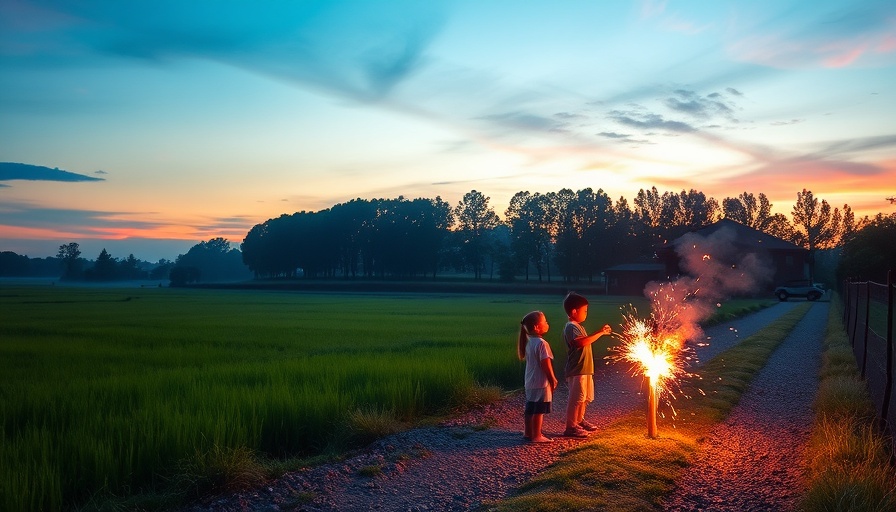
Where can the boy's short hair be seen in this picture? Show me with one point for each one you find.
(573, 301)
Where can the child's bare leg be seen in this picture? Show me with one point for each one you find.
(537, 436)
(528, 432)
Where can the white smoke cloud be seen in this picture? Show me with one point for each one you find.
(716, 267)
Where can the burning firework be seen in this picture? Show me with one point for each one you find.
(655, 346)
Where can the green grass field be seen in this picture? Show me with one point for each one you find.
(114, 392)
(111, 390)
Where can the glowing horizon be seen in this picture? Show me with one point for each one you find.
(194, 121)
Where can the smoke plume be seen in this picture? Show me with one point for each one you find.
(715, 268)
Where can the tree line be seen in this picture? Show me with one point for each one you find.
(573, 234)
(567, 235)
(214, 260)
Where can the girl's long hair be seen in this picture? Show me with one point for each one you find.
(527, 324)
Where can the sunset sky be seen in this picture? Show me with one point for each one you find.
(146, 127)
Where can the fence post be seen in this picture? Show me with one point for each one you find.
(846, 303)
(849, 312)
(888, 390)
(867, 326)
(855, 320)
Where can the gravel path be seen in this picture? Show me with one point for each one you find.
(753, 461)
(481, 456)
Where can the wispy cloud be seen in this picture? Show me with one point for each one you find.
(785, 123)
(846, 35)
(614, 135)
(703, 107)
(356, 53)
(650, 121)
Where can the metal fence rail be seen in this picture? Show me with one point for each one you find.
(868, 310)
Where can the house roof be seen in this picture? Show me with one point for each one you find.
(745, 236)
(637, 267)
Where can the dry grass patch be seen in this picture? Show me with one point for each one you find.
(848, 456)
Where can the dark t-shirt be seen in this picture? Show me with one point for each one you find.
(579, 361)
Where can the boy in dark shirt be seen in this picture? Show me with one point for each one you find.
(579, 365)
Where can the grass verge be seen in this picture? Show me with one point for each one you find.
(847, 456)
(624, 470)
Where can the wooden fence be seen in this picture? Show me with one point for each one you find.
(868, 318)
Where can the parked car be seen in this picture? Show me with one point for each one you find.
(800, 288)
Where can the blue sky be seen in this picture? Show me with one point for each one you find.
(201, 119)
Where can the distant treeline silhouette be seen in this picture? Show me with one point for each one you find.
(575, 234)
(566, 235)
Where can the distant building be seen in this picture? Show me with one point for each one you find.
(631, 278)
(786, 261)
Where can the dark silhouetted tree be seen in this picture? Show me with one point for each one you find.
(475, 218)
(519, 244)
(815, 225)
(648, 211)
(129, 268)
(181, 275)
(870, 252)
(13, 265)
(69, 255)
(749, 210)
(105, 268)
(595, 219)
(162, 270)
(216, 261)
(530, 217)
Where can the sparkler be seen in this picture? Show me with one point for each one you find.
(655, 346)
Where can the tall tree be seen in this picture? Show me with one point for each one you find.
(129, 268)
(870, 252)
(648, 210)
(778, 226)
(567, 236)
(215, 259)
(105, 268)
(749, 210)
(522, 244)
(434, 224)
(475, 218)
(815, 225)
(625, 242)
(595, 218)
(687, 211)
(539, 210)
(70, 254)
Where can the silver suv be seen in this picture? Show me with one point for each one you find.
(800, 288)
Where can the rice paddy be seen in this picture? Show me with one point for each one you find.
(109, 391)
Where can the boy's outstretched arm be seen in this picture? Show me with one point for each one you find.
(591, 338)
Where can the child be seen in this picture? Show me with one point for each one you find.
(540, 379)
(579, 365)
